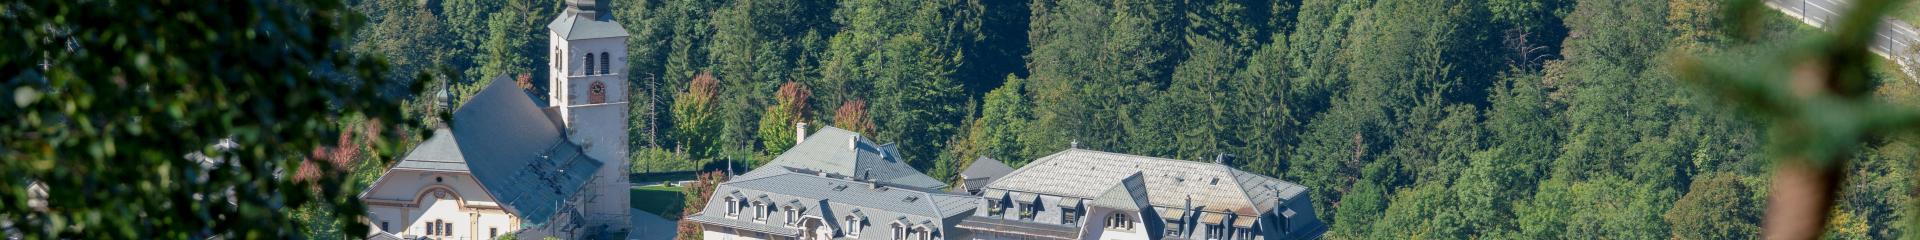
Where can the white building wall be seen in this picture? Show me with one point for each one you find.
(1096, 227)
(405, 201)
(599, 127)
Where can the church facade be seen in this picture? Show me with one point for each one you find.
(507, 164)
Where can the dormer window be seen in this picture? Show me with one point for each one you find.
(1243, 233)
(1215, 232)
(1069, 216)
(793, 217)
(733, 207)
(995, 207)
(759, 211)
(852, 226)
(899, 232)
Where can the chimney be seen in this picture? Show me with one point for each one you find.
(1222, 159)
(799, 132)
(1075, 144)
(853, 143)
(866, 175)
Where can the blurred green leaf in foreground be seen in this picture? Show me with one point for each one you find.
(167, 119)
(1817, 96)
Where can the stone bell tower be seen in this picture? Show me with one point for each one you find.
(588, 87)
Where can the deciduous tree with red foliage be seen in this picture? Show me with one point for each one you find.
(697, 193)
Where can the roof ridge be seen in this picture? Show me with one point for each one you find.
(1025, 168)
(1231, 172)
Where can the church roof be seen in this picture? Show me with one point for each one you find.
(586, 26)
(439, 153)
(843, 153)
(511, 147)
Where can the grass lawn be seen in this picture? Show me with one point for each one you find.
(659, 200)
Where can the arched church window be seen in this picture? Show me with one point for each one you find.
(589, 64)
(597, 93)
(604, 67)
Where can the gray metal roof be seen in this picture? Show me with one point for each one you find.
(843, 153)
(985, 167)
(438, 153)
(516, 152)
(833, 200)
(584, 26)
(1129, 194)
(1212, 186)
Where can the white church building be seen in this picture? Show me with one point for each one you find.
(507, 164)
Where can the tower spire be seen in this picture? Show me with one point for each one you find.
(593, 9)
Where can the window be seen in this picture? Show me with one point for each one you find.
(1119, 221)
(1069, 216)
(1213, 231)
(1243, 233)
(446, 229)
(597, 93)
(1027, 210)
(899, 232)
(793, 217)
(1174, 229)
(589, 64)
(604, 68)
(733, 208)
(759, 212)
(430, 227)
(995, 208)
(853, 226)
(493, 232)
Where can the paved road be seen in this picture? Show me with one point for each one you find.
(1894, 35)
(1895, 40)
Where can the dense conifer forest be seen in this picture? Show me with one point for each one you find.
(1408, 119)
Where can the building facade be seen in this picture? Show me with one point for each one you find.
(834, 185)
(1084, 194)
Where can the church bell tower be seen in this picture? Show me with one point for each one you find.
(588, 87)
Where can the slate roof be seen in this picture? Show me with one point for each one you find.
(983, 170)
(1211, 186)
(515, 152)
(586, 26)
(1129, 194)
(843, 153)
(437, 153)
(832, 200)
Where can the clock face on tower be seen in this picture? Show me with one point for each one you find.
(597, 93)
